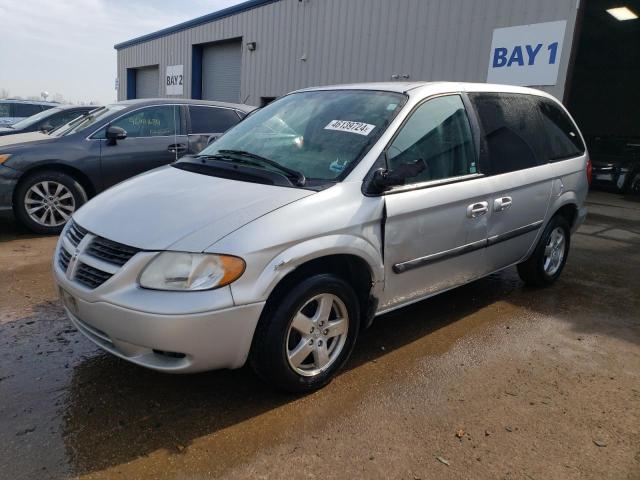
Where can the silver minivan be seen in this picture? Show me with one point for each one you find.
(282, 240)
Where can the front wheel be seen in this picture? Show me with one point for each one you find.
(550, 255)
(307, 335)
(45, 201)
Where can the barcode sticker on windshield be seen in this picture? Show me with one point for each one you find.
(353, 127)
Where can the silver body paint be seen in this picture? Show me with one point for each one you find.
(277, 229)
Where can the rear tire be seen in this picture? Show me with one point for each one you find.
(45, 201)
(305, 336)
(545, 265)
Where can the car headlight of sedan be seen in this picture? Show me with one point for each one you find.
(191, 271)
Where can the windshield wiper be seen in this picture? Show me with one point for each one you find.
(296, 175)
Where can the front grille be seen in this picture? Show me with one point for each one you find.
(91, 277)
(114, 253)
(75, 233)
(110, 251)
(63, 259)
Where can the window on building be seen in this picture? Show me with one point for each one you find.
(212, 119)
(512, 129)
(438, 132)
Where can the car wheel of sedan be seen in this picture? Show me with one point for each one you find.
(45, 201)
(550, 255)
(303, 340)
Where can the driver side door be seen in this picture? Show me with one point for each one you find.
(436, 223)
(155, 137)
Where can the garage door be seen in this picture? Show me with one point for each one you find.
(147, 82)
(221, 71)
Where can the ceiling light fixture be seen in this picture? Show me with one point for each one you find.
(622, 13)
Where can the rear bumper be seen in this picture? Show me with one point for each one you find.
(8, 181)
(580, 218)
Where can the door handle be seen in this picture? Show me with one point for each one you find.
(501, 204)
(477, 209)
(177, 147)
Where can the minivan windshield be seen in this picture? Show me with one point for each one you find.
(316, 135)
(86, 121)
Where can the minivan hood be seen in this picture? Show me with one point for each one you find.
(168, 208)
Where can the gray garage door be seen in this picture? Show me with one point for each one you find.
(147, 82)
(221, 71)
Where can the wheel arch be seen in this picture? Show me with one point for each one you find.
(351, 258)
(56, 166)
(567, 206)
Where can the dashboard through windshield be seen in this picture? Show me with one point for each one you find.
(320, 135)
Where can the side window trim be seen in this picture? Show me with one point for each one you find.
(441, 181)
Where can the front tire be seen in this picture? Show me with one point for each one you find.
(45, 201)
(305, 336)
(550, 255)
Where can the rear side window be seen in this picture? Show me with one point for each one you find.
(26, 110)
(512, 131)
(562, 135)
(212, 119)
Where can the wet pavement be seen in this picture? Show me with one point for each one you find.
(491, 380)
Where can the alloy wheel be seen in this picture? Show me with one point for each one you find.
(49, 203)
(554, 251)
(317, 334)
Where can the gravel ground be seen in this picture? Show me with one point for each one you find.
(489, 381)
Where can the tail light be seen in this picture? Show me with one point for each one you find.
(589, 170)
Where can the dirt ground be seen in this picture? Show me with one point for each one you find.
(489, 381)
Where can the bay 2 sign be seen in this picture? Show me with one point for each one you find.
(174, 80)
(526, 54)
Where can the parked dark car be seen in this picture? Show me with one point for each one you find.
(12, 111)
(616, 163)
(45, 178)
(47, 120)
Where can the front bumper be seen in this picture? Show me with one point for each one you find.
(8, 181)
(206, 339)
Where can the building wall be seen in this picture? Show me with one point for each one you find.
(356, 40)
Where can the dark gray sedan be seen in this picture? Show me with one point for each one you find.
(45, 178)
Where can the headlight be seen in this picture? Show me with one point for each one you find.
(4, 158)
(191, 271)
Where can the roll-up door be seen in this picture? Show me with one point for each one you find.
(221, 71)
(147, 82)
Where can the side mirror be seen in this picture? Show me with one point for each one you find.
(46, 127)
(384, 179)
(212, 138)
(114, 134)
